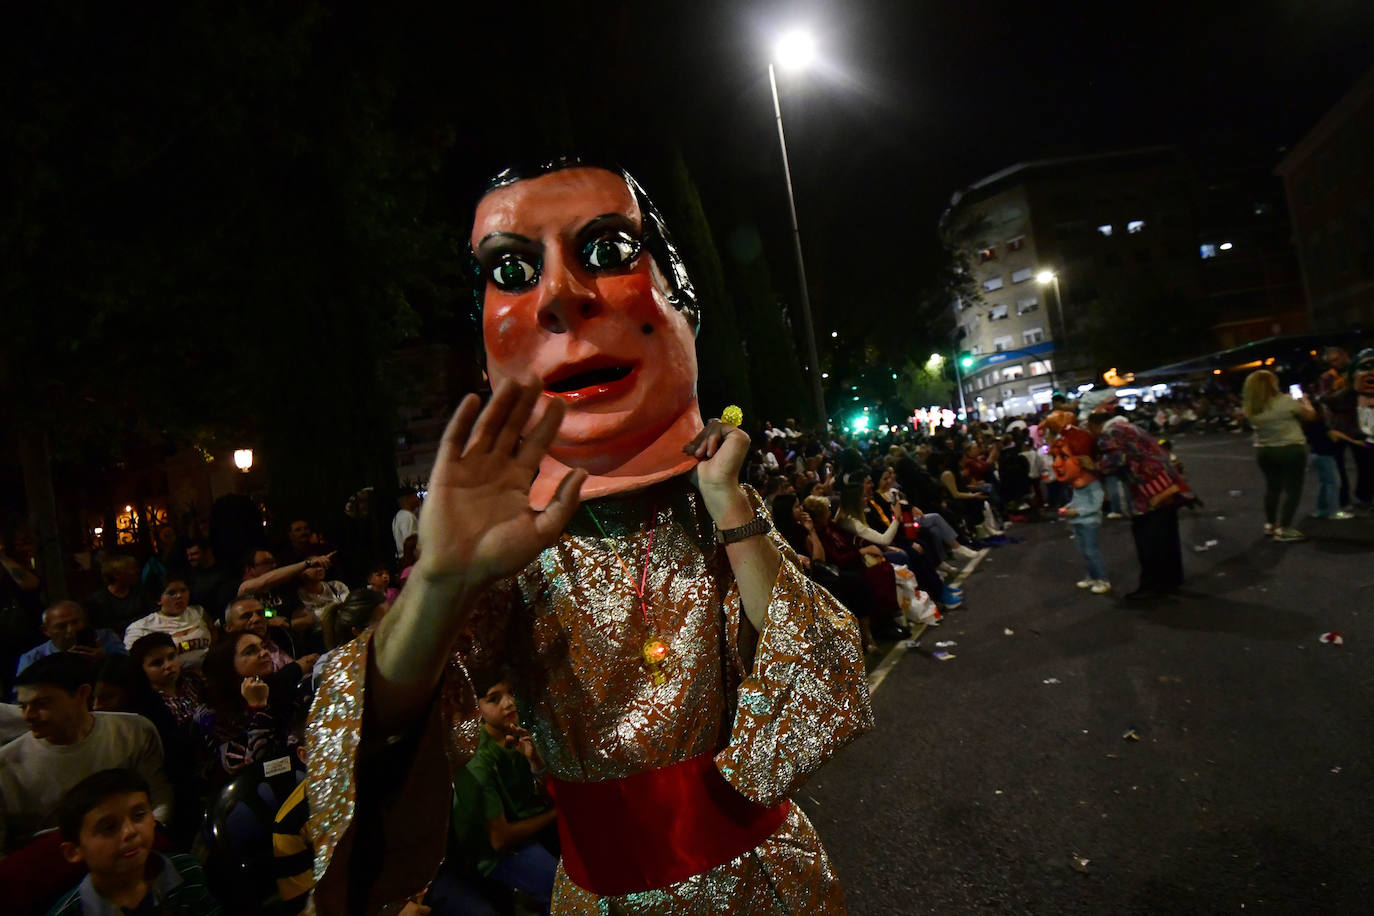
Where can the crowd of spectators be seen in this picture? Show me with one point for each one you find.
(172, 679)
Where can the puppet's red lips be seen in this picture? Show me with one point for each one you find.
(591, 378)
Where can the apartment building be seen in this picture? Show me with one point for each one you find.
(1051, 242)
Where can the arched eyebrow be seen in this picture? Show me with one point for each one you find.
(505, 237)
(617, 220)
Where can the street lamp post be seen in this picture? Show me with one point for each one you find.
(794, 50)
(1050, 278)
(959, 381)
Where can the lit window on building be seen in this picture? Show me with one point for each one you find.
(1017, 243)
(1027, 305)
(1002, 343)
(1022, 275)
(987, 254)
(1013, 372)
(1032, 336)
(1106, 230)
(1135, 225)
(1041, 367)
(994, 283)
(998, 313)
(1209, 250)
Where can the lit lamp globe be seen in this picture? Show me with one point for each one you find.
(1045, 277)
(243, 458)
(795, 50)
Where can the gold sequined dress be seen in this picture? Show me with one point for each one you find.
(571, 628)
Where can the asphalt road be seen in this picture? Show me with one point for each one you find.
(1000, 780)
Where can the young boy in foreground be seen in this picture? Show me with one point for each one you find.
(107, 824)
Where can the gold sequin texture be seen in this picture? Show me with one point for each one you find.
(570, 627)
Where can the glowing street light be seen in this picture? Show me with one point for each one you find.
(793, 51)
(1226, 246)
(1046, 277)
(243, 458)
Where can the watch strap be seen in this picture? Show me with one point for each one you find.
(759, 525)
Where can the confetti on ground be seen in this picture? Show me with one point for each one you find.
(944, 656)
(1333, 638)
(1079, 863)
(1008, 631)
(1050, 680)
(1131, 734)
(945, 644)
(1335, 769)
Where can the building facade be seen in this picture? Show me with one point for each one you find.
(1054, 247)
(1329, 180)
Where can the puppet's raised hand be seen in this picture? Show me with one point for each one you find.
(477, 525)
(721, 449)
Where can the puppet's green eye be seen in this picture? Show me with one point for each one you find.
(513, 273)
(610, 251)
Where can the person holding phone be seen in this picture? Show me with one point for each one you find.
(1280, 448)
(67, 630)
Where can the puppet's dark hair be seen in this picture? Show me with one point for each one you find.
(656, 238)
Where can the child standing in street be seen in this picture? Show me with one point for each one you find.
(1072, 453)
(1084, 513)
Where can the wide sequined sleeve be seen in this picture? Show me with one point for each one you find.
(807, 693)
(388, 845)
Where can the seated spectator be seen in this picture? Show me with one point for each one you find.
(65, 626)
(248, 613)
(972, 507)
(251, 706)
(379, 580)
(301, 542)
(271, 583)
(1014, 474)
(183, 693)
(799, 531)
(67, 742)
(121, 600)
(503, 818)
(897, 548)
(107, 826)
(175, 616)
(880, 579)
(211, 585)
(316, 595)
(343, 623)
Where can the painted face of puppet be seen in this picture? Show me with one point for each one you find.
(574, 301)
(1362, 377)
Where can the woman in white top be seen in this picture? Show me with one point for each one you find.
(177, 617)
(1280, 447)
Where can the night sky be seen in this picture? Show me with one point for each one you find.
(915, 100)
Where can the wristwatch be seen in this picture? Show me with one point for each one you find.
(760, 525)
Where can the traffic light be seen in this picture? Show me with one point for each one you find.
(965, 360)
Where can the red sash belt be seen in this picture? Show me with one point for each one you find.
(656, 828)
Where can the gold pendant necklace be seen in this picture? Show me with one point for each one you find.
(655, 654)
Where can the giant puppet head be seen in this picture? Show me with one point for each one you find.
(1362, 376)
(1071, 449)
(584, 292)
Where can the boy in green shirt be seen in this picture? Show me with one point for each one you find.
(502, 818)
